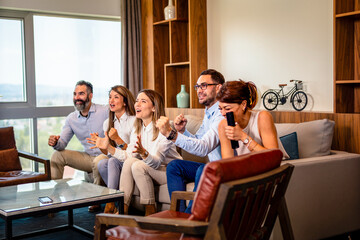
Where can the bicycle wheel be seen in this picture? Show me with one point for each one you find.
(270, 101)
(299, 100)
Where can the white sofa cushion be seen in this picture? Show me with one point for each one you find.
(314, 137)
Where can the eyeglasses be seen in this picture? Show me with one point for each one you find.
(204, 86)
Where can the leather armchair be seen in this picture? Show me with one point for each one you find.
(11, 172)
(237, 198)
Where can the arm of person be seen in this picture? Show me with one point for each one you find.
(199, 147)
(158, 152)
(267, 132)
(226, 150)
(65, 136)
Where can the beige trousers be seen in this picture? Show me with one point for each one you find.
(137, 172)
(78, 160)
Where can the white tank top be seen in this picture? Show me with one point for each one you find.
(252, 130)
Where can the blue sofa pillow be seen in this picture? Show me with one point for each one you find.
(290, 144)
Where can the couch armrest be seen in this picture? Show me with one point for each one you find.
(180, 195)
(151, 223)
(36, 158)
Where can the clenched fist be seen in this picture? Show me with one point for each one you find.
(53, 139)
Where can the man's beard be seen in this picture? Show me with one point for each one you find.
(83, 104)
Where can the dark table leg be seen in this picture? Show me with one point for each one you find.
(70, 218)
(8, 228)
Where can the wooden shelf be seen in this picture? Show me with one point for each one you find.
(174, 51)
(347, 56)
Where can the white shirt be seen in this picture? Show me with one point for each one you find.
(161, 150)
(124, 126)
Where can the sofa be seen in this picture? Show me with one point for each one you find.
(323, 196)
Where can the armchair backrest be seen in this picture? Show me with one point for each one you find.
(218, 172)
(9, 158)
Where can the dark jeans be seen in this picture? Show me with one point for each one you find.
(181, 172)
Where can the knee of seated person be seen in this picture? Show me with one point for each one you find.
(139, 166)
(55, 156)
(172, 166)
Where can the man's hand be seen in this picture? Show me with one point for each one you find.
(53, 139)
(163, 125)
(180, 123)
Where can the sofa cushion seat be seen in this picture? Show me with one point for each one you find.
(19, 177)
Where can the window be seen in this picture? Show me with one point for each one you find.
(41, 59)
(68, 50)
(11, 60)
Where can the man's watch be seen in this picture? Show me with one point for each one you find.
(172, 135)
(121, 145)
(246, 140)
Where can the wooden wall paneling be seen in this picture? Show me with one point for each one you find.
(357, 102)
(197, 44)
(147, 44)
(179, 41)
(175, 75)
(344, 98)
(344, 49)
(158, 11)
(343, 6)
(357, 49)
(181, 7)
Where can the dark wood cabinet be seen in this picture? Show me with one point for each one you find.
(174, 51)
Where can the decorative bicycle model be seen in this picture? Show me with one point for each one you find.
(273, 97)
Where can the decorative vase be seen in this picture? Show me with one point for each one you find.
(183, 98)
(169, 10)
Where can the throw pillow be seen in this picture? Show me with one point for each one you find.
(290, 144)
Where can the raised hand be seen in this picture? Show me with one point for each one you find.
(98, 142)
(180, 123)
(139, 147)
(53, 139)
(113, 134)
(163, 125)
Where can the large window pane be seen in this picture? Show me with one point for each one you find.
(22, 129)
(11, 61)
(68, 50)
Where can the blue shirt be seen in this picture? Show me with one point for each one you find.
(206, 140)
(82, 126)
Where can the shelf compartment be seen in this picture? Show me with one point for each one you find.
(347, 49)
(175, 76)
(161, 55)
(181, 11)
(346, 98)
(179, 44)
(345, 6)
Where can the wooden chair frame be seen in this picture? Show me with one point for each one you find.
(276, 181)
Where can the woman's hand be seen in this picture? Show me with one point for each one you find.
(98, 142)
(234, 133)
(113, 134)
(139, 147)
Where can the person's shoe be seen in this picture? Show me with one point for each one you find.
(110, 208)
(94, 208)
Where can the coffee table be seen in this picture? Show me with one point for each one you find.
(21, 201)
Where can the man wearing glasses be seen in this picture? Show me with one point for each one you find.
(204, 143)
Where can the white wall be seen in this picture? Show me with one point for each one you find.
(272, 41)
(103, 8)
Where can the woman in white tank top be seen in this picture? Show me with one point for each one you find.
(254, 131)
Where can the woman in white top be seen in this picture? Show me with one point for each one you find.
(255, 131)
(117, 129)
(152, 152)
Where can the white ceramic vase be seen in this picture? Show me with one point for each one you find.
(169, 10)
